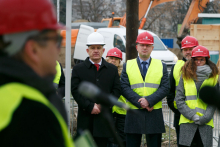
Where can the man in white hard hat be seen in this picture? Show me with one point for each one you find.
(104, 75)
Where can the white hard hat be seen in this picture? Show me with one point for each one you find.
(95, 38)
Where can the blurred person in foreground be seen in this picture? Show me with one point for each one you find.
(31, 113)
(187, 45)
(196, 120)
(114, 56)
(105, 76)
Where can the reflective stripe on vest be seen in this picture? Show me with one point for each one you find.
(119, 110)
(152, 79)
(57, 76)
(193, 101)
(176, 75)
(13, 94)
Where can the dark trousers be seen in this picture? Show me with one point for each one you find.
(134, 140)
(177, 127)
(101, 141)
(119, 122)
(196, 142)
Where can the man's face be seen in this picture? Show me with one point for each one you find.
(95, 52)
(187, 53)
(114, 60)
(49, 53)
(144, 50)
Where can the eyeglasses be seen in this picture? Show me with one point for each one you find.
(58, 39)
(201, 60)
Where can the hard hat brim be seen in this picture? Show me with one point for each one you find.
(89, 44)
(187, 47)
(144, 43)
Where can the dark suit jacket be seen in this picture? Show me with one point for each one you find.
(107, 79)
(146, 122)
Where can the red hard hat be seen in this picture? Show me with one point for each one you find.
(200, 51)
(189, 41)
(26, 15)
(114, 52)
(145, 38)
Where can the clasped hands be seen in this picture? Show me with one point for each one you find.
(96, 109)
(145, 104)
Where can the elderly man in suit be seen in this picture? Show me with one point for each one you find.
(104, 75)
(144, 83)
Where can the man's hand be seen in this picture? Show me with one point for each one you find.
(95, 109)
(149, 109)
(143, 102)
(99, 106)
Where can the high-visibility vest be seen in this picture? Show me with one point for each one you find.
(11, 97)
(151, 82)
(119, 110)
(57, 76)
(193, 101)
(177, 75)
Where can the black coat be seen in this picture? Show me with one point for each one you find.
(107, 79)
(146, 122)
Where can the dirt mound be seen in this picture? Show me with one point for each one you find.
(62, 56)
(177, 52)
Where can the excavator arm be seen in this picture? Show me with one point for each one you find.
(196, 7)
(143, 9)
(144, 4)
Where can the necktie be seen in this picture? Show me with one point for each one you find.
(97, 66)
(144, 68)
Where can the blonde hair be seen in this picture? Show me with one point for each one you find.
(120, 66)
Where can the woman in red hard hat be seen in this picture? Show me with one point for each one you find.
(196, 120)
(114, 56)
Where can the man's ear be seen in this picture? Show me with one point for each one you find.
(87, 50)
(103, 50)
(31, 51)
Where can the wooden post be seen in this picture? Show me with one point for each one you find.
(132, 24)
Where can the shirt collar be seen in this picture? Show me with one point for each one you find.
(94, 63)
(148, 60)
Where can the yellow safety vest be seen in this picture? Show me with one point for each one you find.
(193, 101)
(119, 110)
(177, 75)
(151, 82)
(57, 76)
(11, 97)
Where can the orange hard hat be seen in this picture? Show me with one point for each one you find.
(189, 42)
(200, 51)
(27, 15)
(114, 52)
(145, 38)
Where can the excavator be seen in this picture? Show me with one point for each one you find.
(197, 6)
